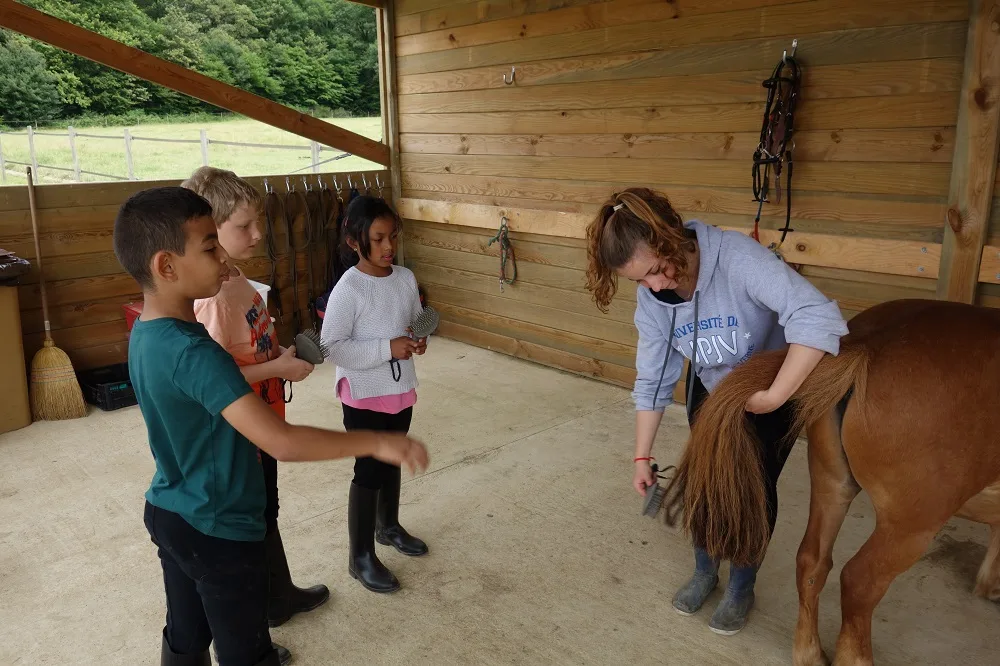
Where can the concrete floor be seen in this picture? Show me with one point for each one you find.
(538, 552)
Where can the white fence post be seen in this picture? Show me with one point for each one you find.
(128, 155)
(204, 147)
(34, 158)
(315, 156)
(72, 149)
(3, 165)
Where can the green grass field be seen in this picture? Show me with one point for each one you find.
(153, 160)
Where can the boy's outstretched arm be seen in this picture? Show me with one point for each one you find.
(252, 418)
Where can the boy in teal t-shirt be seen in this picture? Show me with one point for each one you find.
(205, 505)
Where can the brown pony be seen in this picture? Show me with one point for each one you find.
(907, 412)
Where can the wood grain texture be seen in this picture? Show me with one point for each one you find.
(907, 178)
(918, 110)
(876, 45)
(63, 35)
(989, 266)
(814, 16)
(896, 257)
(389, 89)
(468, 13)
(977, 138)
(924, 144)
(839, 215)
(587, 366)
(906, 77)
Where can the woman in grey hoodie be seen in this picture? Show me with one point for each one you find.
(715, 297)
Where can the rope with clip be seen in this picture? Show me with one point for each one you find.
(775, 133)
(291, 212)
(506, 252)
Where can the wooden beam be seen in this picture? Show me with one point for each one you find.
(894, 257)
(989, 268)
(390, 96)
(974, 166)
(377, 4)
(61, 34)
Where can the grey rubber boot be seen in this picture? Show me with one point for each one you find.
(731, 614)
(689, 599)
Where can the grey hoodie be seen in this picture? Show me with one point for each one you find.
(747, 300)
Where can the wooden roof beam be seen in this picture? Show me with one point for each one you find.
(90, 45)
(377, 4)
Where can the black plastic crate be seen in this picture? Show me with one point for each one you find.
(109, 387)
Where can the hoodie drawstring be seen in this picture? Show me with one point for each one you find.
(694, 353)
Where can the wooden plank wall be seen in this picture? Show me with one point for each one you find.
(86, 285)
(667, 93)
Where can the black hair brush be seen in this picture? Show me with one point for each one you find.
(657, 494)
(310, 348)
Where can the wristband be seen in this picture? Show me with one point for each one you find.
(638, 459)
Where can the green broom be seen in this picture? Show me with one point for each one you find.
(55, 391)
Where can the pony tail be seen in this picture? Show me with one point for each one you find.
(602, 281)
(720, 479)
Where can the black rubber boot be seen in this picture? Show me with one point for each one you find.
(170, 658)
(387, 528)
(284, 598)
(363, 564)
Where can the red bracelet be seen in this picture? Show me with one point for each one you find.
(638, 459)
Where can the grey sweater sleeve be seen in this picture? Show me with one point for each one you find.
(342, 311)
(808, 317)
(649, 357)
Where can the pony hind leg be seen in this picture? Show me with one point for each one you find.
(832, 489)
(988, 580)
(893, 547)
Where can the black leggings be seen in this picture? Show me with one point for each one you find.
(369, 472)
(772, 431)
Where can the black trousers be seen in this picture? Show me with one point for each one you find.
(369, 472)
(270, 467)
(773, 432)
(216, 589)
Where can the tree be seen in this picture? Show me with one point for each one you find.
(28, 91)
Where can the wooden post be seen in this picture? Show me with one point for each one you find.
(204, 147)
(974, 165)
(385, 20)
(314, 148)
(128, 154)
(3, 165)
(72, 149)
(31, 151)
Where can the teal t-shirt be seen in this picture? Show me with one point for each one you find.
(206, 471)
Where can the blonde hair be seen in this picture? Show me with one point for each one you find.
(631, 217)
(224, 191)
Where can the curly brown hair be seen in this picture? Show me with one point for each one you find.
(645, 216)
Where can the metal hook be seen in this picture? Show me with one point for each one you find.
(350, 184)
(378, 185)
(267, 188)
(365, 181)
(336, 184)
(784, 54)
(288, 186)
(512, 73)
(305, 185)
(320, 183)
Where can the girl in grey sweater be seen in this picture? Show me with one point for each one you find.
(365, 327)
(716, 297)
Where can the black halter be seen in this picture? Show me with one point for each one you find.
(775, 133)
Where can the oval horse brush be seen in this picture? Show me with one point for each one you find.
(424, 323)
(310, 348)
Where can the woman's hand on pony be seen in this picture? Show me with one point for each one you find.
(764, 402)
(643, 477)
